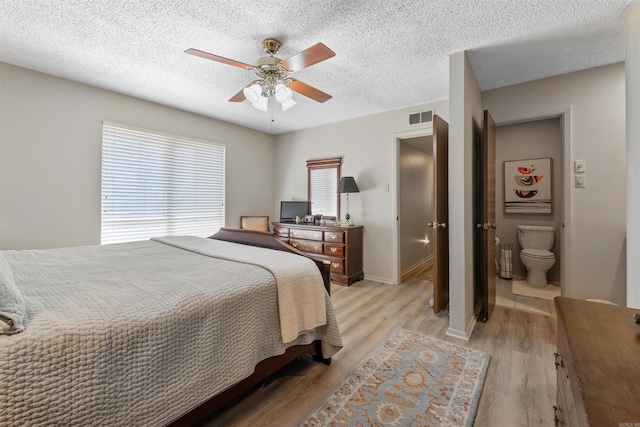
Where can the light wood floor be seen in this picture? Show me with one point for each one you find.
(519, 389)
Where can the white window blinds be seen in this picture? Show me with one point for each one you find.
(156, 185)
(324, 187)
(324, 177)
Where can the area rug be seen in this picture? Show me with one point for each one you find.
(411, 379)
(520, 287)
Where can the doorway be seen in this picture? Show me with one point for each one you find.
(440, 233)
(420, 138)
(415, 184)
(531, 139)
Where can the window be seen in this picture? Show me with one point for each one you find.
(156, 185)
(324, 177)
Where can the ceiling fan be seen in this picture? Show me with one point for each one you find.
(274, 75)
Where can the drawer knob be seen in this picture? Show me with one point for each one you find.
(316, 247)
(294, 244)
(557, 415)
(558, 361)
(318, 235)
(334, 250)
(335, 264)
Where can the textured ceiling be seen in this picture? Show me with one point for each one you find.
(389, 54)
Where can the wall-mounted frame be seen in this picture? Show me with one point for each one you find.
(528, 186)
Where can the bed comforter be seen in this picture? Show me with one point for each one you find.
(137, 333)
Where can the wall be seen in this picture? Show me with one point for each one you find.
(416, 206)
(366, 145)
(464, 110)
(632, 70)
(594, 100)
(50, 140)
(530, 140)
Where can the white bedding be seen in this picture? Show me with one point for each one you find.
(300, 288)
(136, 333)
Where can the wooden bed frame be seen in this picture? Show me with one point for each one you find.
(269, 366)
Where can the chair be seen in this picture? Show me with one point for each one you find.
(256, 223)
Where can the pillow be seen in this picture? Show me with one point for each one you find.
(12, 308)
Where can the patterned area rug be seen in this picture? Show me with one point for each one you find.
(410, 380)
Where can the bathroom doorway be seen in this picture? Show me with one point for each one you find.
(533, 139)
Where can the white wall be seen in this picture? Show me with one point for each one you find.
(530, 140)
(50, 140)
(416, 206)
(464, 109)
(632, 69)
(595, 99)
(366, 145)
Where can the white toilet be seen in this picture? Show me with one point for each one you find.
(535, 244)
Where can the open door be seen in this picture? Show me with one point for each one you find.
(487, 223)
(440, 215)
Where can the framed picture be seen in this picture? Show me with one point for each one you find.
(528, 186)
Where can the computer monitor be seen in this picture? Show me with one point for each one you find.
(290, 210)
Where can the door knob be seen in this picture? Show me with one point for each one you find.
(442, 225)
(486, 226)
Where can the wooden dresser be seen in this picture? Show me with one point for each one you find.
(342, 246)
(598, 365)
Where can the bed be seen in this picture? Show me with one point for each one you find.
(160, 332)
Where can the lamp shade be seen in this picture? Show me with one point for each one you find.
(262, 104)
(348, 185)
(283, 93)
(252, 93)
(286, 105)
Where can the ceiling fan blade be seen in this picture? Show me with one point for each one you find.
(308, 91)
(238, 97)
(308, 57)
(217, 58)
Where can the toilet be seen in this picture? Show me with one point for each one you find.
(535, 244)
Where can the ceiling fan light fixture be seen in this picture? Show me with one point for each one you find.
(253, 93)
(274, 75)
(288, 104)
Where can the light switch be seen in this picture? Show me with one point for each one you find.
(581, 181)
(579, 166)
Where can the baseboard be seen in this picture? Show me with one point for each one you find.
(466, 335)
(384, 280)
(416, 268)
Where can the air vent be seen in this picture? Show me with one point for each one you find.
(423, 117)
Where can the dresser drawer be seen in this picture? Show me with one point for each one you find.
(281, 231)
(306, 234)
(340, 246)
(307, 246)
(334, 236)
(337, 266)
(333, 250)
